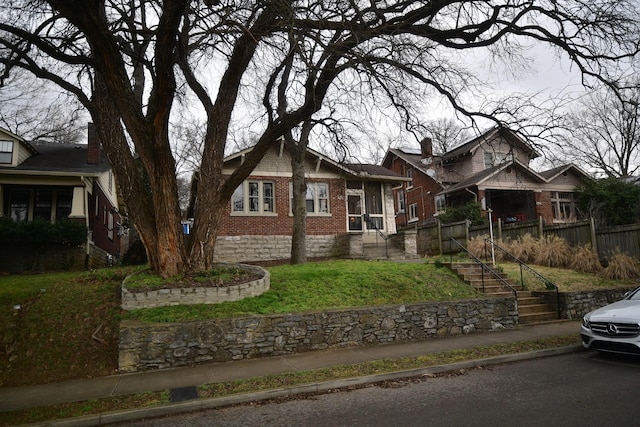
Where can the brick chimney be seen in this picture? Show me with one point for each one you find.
(426, 148)
(93, 145)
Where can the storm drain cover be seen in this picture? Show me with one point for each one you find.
(183, 393)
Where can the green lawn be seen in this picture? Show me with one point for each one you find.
(329, 285)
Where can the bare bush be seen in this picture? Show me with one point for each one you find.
(553, 251)
(585, 260)
(622, 266)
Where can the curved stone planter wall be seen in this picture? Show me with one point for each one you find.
(155, 346)
(205, 295)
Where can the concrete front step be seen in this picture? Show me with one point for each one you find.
(537, 317)
(530, 309)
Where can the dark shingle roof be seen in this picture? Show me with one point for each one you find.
(54, 157)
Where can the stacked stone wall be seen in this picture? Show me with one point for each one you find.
(197, 295)
(574, 305)
(158, 346)
(267, 248)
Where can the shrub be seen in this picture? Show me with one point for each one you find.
(622, 267)
(66, 232)
(585, 260)
(553, 251)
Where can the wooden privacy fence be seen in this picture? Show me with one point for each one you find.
(435, 238)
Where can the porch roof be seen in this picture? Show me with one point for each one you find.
(485, 175)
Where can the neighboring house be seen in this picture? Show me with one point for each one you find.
(346, 207)
(491, 169)
(53, 181)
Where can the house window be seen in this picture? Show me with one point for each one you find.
(19, 205)
(29, 204)
(493, 158)
(254, 197)
(316, 198)
(63, 204)
(6, 152)
(410, 175)
(441, 203)
(401, 202)
(563, 205)
(110, 226)
(413, 212)
(42, 205)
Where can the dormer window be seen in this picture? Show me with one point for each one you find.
(6, 152)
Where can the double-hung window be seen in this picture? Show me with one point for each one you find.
(316, 198)
(254, 197)
(413, 212)
(401, 202)
(6, 152)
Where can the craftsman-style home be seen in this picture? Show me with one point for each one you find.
(56, 181)
(492, 169)
(350, 211)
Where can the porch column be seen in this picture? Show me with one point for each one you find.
(78, 203)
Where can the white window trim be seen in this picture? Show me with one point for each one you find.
(261, 208)
(316, 200)
(11, 152)
(413, 212)
(410, 175)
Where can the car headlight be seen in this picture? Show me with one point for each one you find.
(585, 322)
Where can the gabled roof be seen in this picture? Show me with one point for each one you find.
(409, 155)
(360, 170)
(472, 145)
(59, 158)
(553, 173)
(374, 172)
(486, 174)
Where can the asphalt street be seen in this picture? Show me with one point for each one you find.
(578, 389)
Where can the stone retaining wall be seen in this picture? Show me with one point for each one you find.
(574, 305)
(205, 295)
(157, 346)
(266, 248)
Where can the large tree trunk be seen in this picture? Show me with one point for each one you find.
(150, 198)
(298, 150)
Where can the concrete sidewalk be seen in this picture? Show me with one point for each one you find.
(13, 398)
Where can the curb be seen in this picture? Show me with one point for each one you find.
(218, 402)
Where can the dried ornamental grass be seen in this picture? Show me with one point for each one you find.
(553, 251)
(585, 260)
(476, 246)
(622, 267)
(525, 248)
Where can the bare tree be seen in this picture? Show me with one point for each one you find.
(603, 133)
(36, 110)
(446, 133)
(126, 60)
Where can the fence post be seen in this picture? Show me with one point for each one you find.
(439, 236)
(500, 229)
(592, 226)
(540, 227)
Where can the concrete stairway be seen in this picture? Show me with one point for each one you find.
(531, 309)
(375, 247)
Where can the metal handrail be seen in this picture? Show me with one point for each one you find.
(503, 282)
(547, 283)
(372, 225)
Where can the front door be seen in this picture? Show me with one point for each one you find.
(355, 213)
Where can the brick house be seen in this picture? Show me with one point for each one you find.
(491, 169)
(55, 181)
(348, 205)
